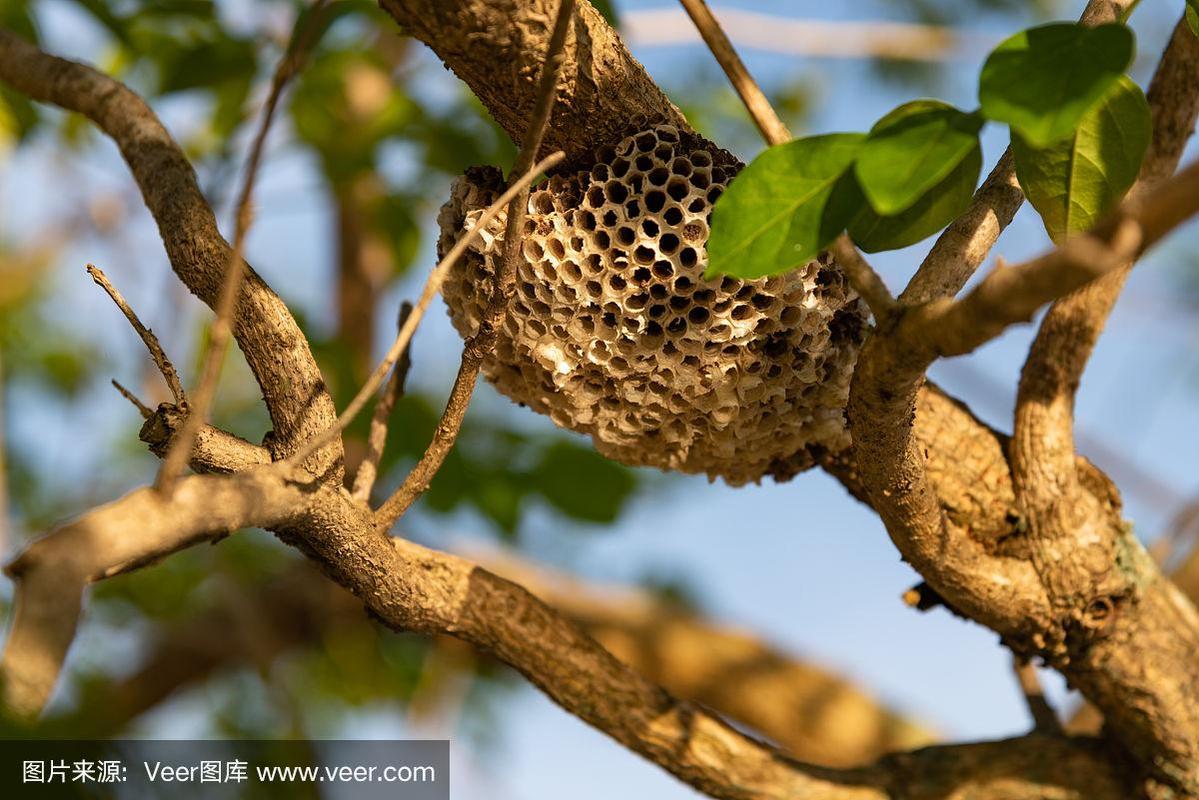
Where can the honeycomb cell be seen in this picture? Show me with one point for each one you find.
(613, 330)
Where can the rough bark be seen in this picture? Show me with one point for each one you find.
(272, 342)
(994, 582)
(497, 46)
(412, 588)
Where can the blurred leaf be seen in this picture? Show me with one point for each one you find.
(344, 105)
(581, 483)
(932, 212)
(203, 64)
(785, 207)
(1043, 80)
(1192, 13)
(100, 11)
(394, 217)
(911, 150)
(67, 369)
(608, 10)
(17, 16)
(18, 118)
(1072, 183)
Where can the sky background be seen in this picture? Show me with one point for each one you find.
(801, 564)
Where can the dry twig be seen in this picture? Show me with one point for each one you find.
(221, 330)
(141, 407)
(147, 336)
(481, 343)
(430, 290)
(1044, 718)
(364, 479)
(764, 116)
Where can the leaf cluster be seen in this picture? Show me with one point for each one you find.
(1079, 130)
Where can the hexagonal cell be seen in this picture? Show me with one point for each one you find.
(658, 365)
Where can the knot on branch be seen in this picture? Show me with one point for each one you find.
(614, 331)
(160, 428)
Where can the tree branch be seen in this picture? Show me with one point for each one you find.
(482, 342)
(497, 48)
(816, 715)
(368, 469)
(268, 336)
(234, 274)
(213, 450)
(142, 527)
(771, 127)
(432, 287)
(411, 588)
(147, 336)
(1043, 716)
(1044, 431)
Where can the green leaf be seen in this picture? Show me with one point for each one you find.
(932, 212)
(1193, 16)
(785, 207)
(581, 483)
(1043, 80)
(911, 150)
(1075, 181)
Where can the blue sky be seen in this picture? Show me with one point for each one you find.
(802, 564)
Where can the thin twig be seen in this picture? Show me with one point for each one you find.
(4, 532)
(483, 340)
(861, 275)
(764, 116)
(864, 280)
(963, 246)
(141, 407)
(1044, 718)
(147, 336)
(1013, 293)
(430, 290)
(221, 329)
(368, 470)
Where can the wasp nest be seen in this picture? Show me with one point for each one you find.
(613, 330)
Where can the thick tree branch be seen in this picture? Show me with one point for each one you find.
(142, 527)
(268, 336)
(497, 48)
(234, 274)
(411, 588)
(815, 715)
